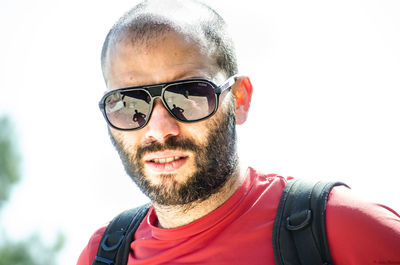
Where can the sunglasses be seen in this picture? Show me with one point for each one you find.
(189, 100)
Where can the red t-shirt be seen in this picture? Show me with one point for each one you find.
(240, 231)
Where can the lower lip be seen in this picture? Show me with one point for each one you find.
(166, 167)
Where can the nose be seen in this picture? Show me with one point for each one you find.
(161, 125)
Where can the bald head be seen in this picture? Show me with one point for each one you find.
(147, 23)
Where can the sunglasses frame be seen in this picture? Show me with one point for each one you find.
(157, 91)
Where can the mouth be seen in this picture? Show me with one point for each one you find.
(165, 161)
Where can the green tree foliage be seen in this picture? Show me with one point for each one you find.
(9, 159)
(30, 251)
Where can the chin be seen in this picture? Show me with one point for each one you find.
(173, 179)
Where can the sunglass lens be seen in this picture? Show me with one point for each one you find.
(190, 101)
(128, 109)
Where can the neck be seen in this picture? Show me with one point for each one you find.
(180, 215)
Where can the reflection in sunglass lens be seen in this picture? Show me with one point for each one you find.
(128, 109)
(190, 101)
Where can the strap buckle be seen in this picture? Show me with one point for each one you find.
(103, 261)
(301, 220)
(117, 237)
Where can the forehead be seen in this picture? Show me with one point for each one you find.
(163, 58)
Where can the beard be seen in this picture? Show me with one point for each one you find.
(215, 163)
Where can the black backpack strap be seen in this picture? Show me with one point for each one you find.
(115, 243)
(299, 234)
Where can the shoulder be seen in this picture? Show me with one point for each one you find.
(89, 252)
(267, 179)
(361, 231)
(264, 190)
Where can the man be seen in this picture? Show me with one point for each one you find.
(206, 208)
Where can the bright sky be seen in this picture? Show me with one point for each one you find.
(326, 103)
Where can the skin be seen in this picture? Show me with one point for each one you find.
(172, 57)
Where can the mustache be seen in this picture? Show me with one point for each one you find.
(170, 143)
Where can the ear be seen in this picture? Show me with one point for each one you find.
(242, 90)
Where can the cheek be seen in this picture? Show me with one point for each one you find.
(128, 140)
(199, 131)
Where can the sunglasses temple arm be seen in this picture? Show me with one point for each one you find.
(231, 80)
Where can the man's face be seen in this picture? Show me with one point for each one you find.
(173, 162)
